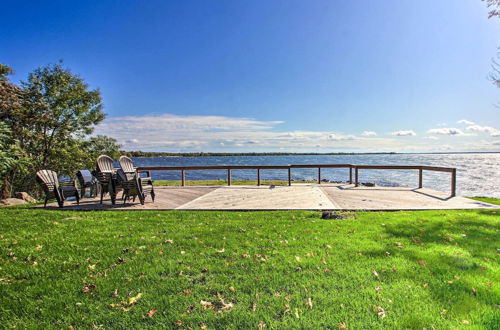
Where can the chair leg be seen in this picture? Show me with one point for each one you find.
(46, 199)
(77, 198)
(153, 195)
(102, 194)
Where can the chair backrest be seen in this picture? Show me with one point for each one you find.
(127, 165)
(105, 164)
(84, 176)
(48, 179)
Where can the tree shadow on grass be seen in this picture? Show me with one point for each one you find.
(454, 254)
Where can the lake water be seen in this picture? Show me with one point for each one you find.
(477, 174)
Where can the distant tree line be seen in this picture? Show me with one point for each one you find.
(45, 123)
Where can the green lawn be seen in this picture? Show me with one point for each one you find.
(130, 269)
(224, 182)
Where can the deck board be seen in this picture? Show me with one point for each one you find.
(295, 197)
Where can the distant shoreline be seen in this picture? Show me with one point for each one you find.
(229, 154)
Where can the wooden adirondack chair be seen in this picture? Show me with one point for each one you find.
(52, 188)
(87, 180)
(106, 175)
(133, 183)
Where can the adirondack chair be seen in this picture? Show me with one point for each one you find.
(52, 188)
(106, 175)
(87, 180)
(133, 183)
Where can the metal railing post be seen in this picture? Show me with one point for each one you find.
(420, 177)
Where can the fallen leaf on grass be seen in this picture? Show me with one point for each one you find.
(342, 326)
(152, 312)
(421, 262)
(245, 255)
(465, 322)
(309, 303)
(187, 292)
(178, 322)
(39, 247)
(262, 325)
(380, 311)
(133, 300)
(374, 272)
(169, 241)
(232, 288)
(203, 326)
(299, 259)
(378, 288)
(287, 309)
(219, 306)
(89, 287)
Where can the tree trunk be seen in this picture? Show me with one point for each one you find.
(7, 186)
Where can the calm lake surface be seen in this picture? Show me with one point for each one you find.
(477, 174)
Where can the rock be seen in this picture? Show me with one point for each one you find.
(25, 197)
(335, 215)
(368, 184)
(12, 201)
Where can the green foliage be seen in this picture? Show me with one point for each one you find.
(5, 71)
(287, 270)
(101, 144)
(50, 115)
(9, 151)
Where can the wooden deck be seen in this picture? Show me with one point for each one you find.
(294, 197)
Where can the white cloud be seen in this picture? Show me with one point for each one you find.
(445, 131)
(174, 133)
(404, 133)
(431, 137)
(167, 132)
(465, 121)
(337, 137)
(369, 133)
(484, 129)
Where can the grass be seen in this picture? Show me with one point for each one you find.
(131, 269)
(490, 200)
(224, 182)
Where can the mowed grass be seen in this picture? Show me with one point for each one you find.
(224, 182)
(131, 269)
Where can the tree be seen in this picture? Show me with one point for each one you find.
(494, 6)
(10, 158)
(11, 101)
(495, 74)
(50, 114)
(102, 144)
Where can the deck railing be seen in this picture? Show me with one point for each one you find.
(289, 168)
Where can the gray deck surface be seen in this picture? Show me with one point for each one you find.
(295, 197)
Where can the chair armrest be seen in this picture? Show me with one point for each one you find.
(145, 181)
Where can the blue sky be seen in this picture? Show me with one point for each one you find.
(285, 75)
